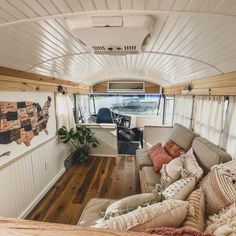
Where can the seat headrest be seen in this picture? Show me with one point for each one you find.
(104, 116)
(182, 136)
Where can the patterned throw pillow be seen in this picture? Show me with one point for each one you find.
(192, 166)
(224, 223)
(169, 213)
(171, 172)
(179, 189)
(159, 156)
(197, 219)
(131, 203)
(173, 149)
(219, 189)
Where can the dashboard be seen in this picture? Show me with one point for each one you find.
(122, 120)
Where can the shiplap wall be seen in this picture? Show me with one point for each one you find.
(24, 182)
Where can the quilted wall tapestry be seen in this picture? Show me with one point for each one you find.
(26, 120)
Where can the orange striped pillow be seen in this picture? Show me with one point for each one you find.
(197, 219)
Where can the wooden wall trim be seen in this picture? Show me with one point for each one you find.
(150, 88)
(14, 80)
(17, 227)
(224, 84)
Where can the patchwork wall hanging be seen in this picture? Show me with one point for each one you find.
(21, 121)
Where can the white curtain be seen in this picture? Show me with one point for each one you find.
(183, 110)
(84, 104)
(229, 135)
(64, 111)
(209, 117)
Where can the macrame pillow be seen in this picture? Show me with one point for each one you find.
(131, 203)
(169, 213)
(224, 223)
(171, 172)
(219, 189)
(191, 165)
(179, 189)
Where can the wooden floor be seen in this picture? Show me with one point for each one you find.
(103, 177)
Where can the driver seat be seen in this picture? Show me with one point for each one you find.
(104, 116)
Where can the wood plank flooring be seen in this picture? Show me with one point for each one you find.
(103, 177)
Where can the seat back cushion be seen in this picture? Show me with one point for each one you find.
(182, 136)
(208, 154)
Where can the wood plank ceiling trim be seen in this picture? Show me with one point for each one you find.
(15, 80)
(224, 84)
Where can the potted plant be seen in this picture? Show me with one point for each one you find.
(81, 138)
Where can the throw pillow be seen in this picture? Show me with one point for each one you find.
(173, 149)
(224, 223)
(219, 189)
(171, 172)
(159, 156)
(197, 219)
(185, 231)
(192, 166)
(179, 189)
(169, 213)
(131, 203)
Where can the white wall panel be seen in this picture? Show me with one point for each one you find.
(24, 182)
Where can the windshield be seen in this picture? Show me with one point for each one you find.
(145, 104)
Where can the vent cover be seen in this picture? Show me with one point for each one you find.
(114, 35)
(114, 50)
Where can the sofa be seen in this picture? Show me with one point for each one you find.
(182, 136)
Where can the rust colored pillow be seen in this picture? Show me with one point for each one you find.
(159, 156)
(173, 149)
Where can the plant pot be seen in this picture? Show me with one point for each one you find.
(80, 156)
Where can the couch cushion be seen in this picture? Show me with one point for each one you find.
(208, 154)
(131, 203)
(159, 156)
(149, 178)
(180, 189)
(219, 189)
(196, 219)
(182, 136)
(171, 172)
(173, 149)
(91, 214)
(224, 223)
(143, 158)
(169, 213)
(191, 165)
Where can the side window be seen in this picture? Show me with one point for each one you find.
(168, 110)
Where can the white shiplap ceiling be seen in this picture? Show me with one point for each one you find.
(192, 39)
